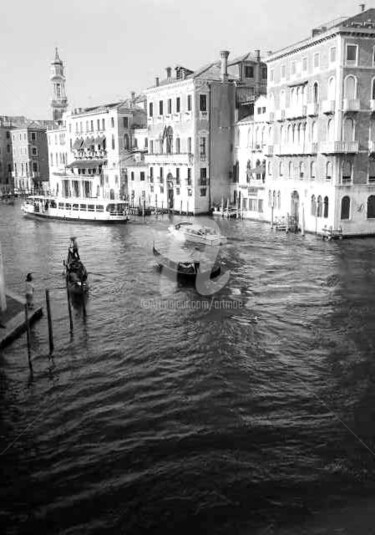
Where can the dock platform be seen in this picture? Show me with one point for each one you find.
(13, 322)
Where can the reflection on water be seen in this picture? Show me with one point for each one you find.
(167, 410)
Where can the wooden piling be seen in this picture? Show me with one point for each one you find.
(69, 305)
(49, 318)
(28, 336)
(83, 300)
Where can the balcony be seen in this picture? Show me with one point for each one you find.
(312, 109)
(280, 115)
(178, 159)
(295, 112)
(339, 147)
(328, 106)
(350, 105)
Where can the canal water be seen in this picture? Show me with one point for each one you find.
(247, 410)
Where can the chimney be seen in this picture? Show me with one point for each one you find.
(362, 6)
(224, 65)
(169, 72)
(132, 95)
(257, 53)
(157, 81)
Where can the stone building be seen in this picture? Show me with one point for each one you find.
(30, 157)
(321, 97)
(190, 118)
(6, 156)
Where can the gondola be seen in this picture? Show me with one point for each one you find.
(186, 269)
(75, 272)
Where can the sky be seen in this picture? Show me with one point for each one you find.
(112, 47)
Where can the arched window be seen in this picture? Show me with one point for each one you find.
(301, 170)
(282, 134)
(249, 135)
(274, 198)
(248, 171)
(316, 93)
(263, 170)
(113, 142)
(270, 135)
(345, 207)
(329, 171)
(331, 88)
(178, 145)
(290, 169)
(281, 168)
(282, 99)
(169, 138)
(319, 207)
(313, 170)
(314, 132)
(313, 205)
(258, 170)
(299, 138)
(278, 200)
(330, 130)
(269, 168)
(126, 141)
(346, 171)
(290, 134)
(325, 208)
(348, 130)
(350, 87)
(371, 207)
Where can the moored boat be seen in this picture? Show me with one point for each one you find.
(184, 266)
(93, 210)
(197, 233)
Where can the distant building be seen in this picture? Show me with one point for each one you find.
(249, 164)
(322, 113)
(88, 153)
(190, 128)
(59, 101)
(6, 156)
(30, 157)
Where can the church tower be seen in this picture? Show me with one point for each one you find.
(59, 102)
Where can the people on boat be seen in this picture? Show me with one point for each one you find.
(73, 253)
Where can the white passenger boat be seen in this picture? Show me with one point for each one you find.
(76, 209)
(196, 233)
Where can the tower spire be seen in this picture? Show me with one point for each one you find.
(59, 101)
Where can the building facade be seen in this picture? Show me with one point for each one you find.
(88, 153)
(30, 157)
(190, 128)
(321, 96)
(251, 143)
(6, 156)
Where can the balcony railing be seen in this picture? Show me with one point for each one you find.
(287, 149)
(280, 115)
(296, 112)
(328, 106)
(350, 104)
(339, 147)
(174, 158)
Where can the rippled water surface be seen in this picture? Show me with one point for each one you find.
(167, 411)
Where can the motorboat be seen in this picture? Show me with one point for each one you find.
(183, 265)
(186, 230)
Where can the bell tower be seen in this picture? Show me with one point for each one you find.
(59, 101)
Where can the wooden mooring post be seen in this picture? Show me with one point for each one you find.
(49, 318)
(69, 305)
(28, 336)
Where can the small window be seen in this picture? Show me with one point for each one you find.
(142, 175)
(316, 60)
(91, 207)
(264, 73)
(203, 102)
(169, 105)
(304, 64)
(189, 102)
(151, 109)
(351, 54)
(68, 206)
(160, 107)
(132, 175)
(112, 122)
(325, 207)
(332, 54)
(100, 208)
(61, 205)
(371, 207)
(249, 72)
(329, 171)
(203, 192)
(83, 207)
(75, 207)
(125, 121)
(345, 207)
(178, 105)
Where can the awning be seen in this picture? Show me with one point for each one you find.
(77, 144)
(296, 84)
(86, 164)
(88, 142)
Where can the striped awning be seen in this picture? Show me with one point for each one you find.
(77, 144)
(87, 164)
